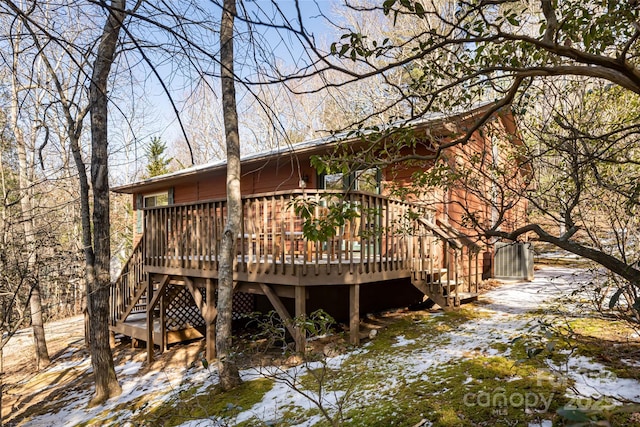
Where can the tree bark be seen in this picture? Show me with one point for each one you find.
(25, 177)
(98, 274)
(227, 369)
(29, 228)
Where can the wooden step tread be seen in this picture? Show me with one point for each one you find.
(429, 272)
(467, 297)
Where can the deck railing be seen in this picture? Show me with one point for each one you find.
(123, 291)
(370, 233)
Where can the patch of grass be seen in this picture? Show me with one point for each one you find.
(507, 390)
(386, 412)
(608, 341)
(320, 376)
(409, 327)
(496, 390)
(500, 346)
(625, 416)
(463, 315)
(110, 417)
(286, 416)
(480, 391)
(422, 327)
(212, 403)
(591, 412)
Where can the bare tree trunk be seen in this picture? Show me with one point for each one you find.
(35, 303)
(25, 177)
(227, 369)
(98, 274)
(1, 381)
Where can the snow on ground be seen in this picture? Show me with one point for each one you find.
(594, 380)
(505, 317)
(401, 341)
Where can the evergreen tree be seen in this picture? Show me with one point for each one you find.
(157, 162)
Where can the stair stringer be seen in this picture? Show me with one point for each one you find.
(431, 291)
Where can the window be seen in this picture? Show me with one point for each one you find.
(333, 181)
(153, 200)
(367, 180)
(164, 198)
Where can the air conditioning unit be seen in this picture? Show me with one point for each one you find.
(513, 261)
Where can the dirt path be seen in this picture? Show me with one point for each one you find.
(61, 335)
(64, 338)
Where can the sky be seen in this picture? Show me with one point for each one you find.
(285, 49)
(156, 116)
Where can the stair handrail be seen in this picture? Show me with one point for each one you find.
(463, 238)
(441, 232)
(123, 289)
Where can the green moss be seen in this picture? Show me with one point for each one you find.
(212, 403)
(498, 389)
(480, 391)
(387, 412)
(624, 416)
(606, 341)
(320, 377)
(500, 346)
(463, 315)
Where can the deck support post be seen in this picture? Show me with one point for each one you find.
(152, 301)
(163, 323)
(149, 319)
(301, 312)
(354, 314)
(277, 304)
(208, 311)
(210, 317)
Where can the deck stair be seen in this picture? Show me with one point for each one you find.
(441, 276)
(128, 291)
(130, 301)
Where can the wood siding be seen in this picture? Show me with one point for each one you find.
(284, 172)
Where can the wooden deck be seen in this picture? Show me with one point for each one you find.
(272, 239)
(295, 272)
(378, 240)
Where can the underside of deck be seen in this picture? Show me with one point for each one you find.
(135, 327)
(182, 311)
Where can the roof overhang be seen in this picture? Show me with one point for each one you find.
(431, 122)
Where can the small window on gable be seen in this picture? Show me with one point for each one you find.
(159, 199)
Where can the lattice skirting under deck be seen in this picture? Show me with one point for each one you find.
(183, 313)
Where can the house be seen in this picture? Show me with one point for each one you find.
(382, 252)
